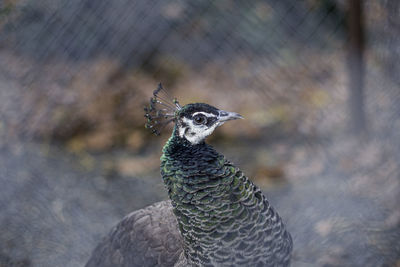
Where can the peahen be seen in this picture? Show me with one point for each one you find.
(215, 216)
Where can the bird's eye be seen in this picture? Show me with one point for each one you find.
(200, 119)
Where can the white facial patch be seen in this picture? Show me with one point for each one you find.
(205, 114)
(196, 133)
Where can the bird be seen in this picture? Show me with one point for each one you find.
(215, 215)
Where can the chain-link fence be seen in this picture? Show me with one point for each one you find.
(74, 76)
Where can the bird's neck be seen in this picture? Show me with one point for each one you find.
(208, 195)
(183, 163)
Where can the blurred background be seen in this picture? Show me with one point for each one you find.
(316, 80)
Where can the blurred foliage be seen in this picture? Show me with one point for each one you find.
(82, 77)
(383, 27)
(100, 106)
(6, 9)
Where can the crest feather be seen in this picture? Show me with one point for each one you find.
(161, 110)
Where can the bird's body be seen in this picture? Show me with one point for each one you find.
(146, 237)
(215, 217)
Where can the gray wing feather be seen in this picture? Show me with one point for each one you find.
(147, 237)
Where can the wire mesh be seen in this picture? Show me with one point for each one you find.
(74, 76)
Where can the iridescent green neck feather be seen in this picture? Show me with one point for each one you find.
(223, 217)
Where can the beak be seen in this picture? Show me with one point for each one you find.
(227, 116)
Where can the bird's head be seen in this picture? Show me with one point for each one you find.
(194, 122)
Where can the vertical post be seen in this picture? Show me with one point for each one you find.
(355, 26)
